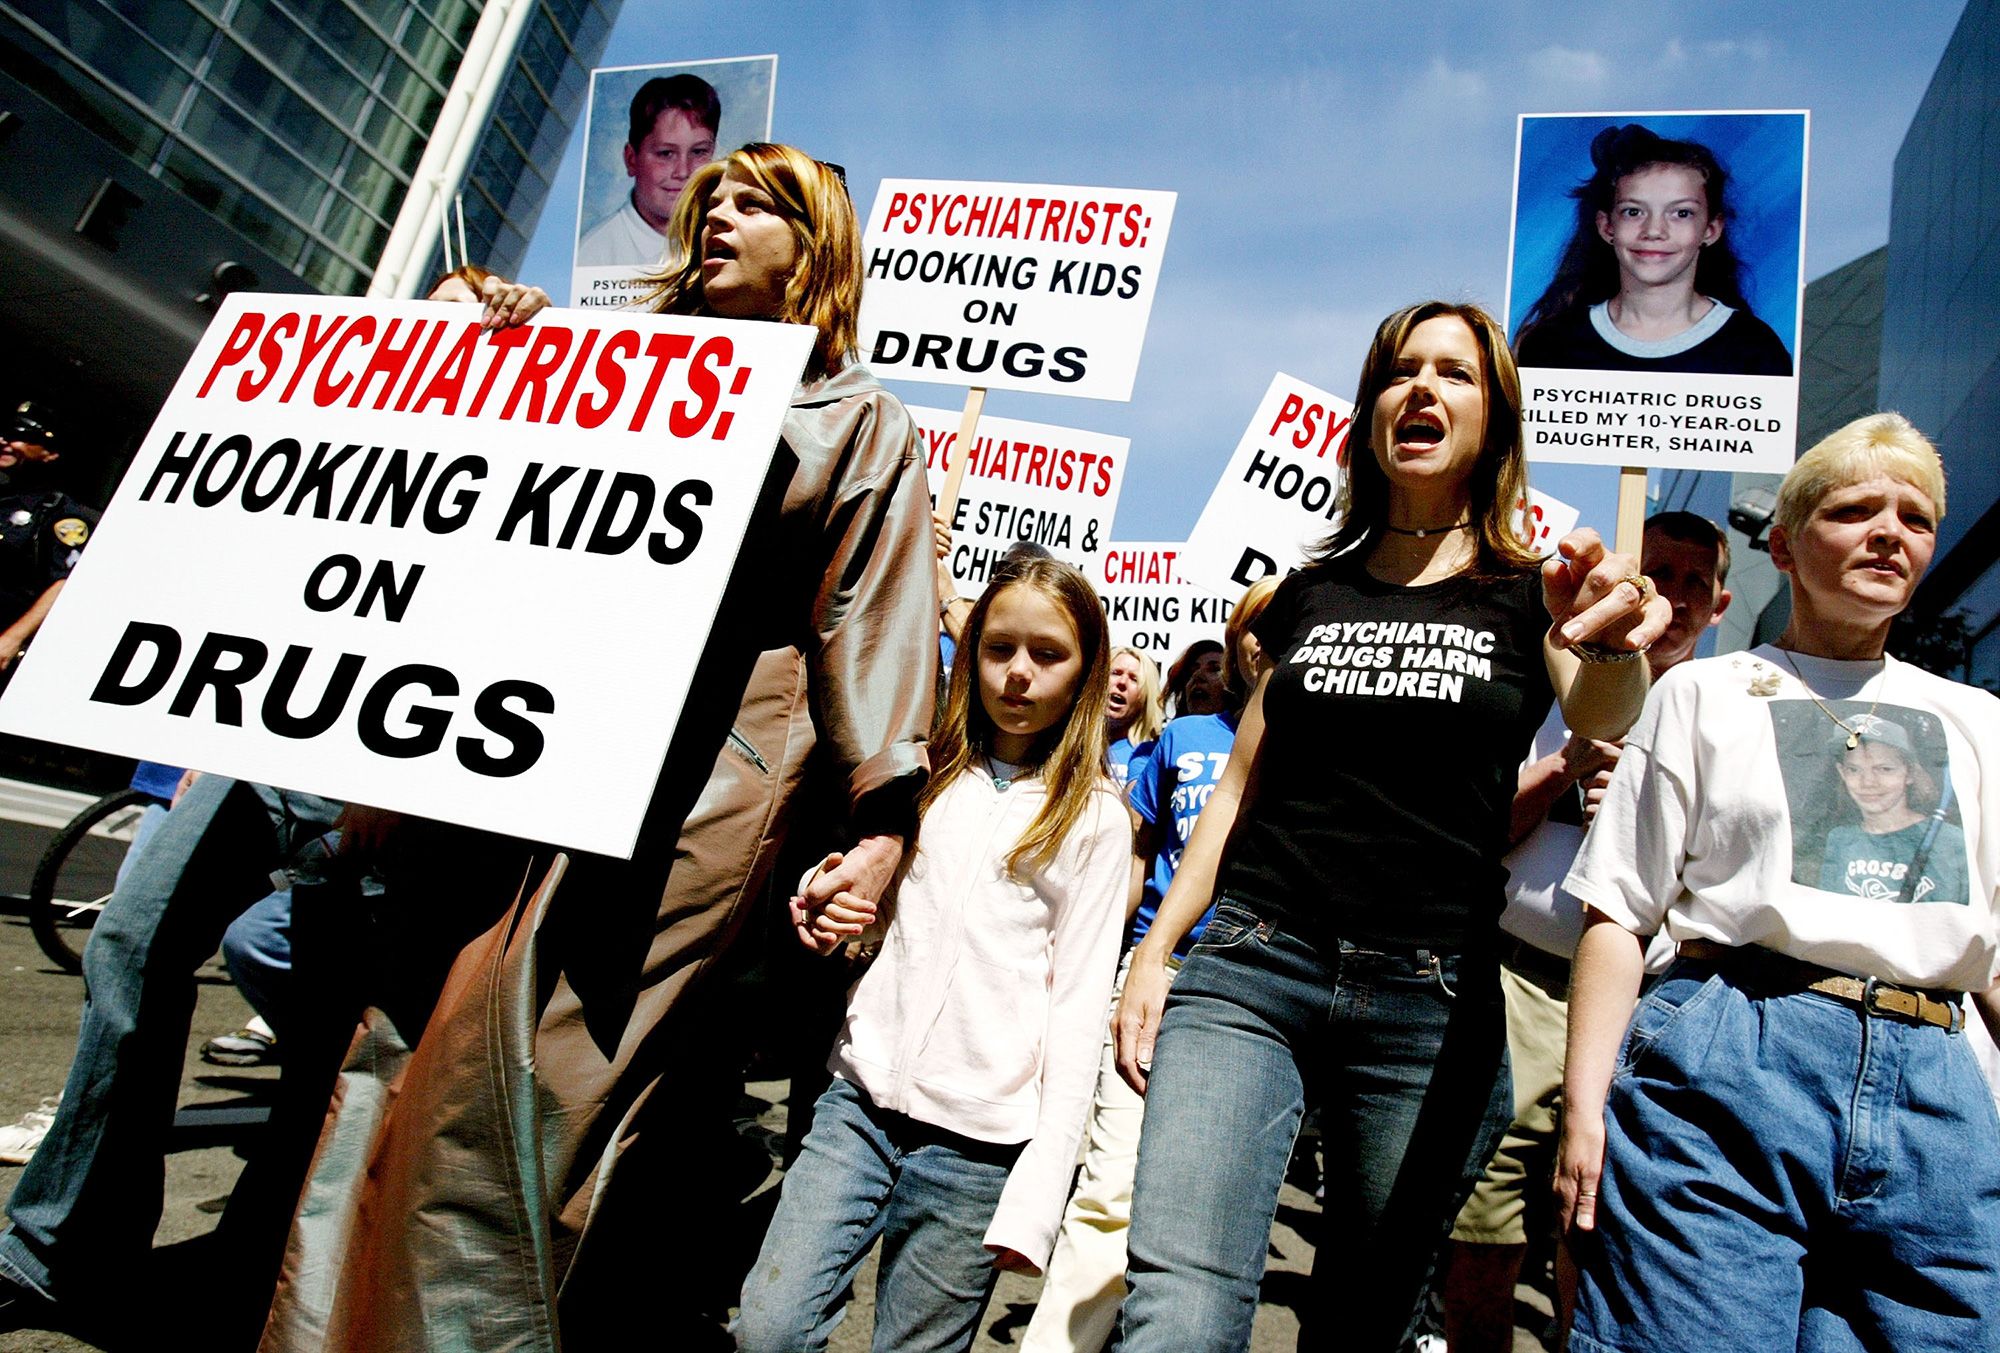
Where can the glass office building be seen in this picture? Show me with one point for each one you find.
(298, 123)
(1941, 319)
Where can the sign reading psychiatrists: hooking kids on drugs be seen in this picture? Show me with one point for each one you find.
(1012, 286)
(372, 551)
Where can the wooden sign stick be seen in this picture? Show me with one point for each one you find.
(1631, 510)
(961, 451)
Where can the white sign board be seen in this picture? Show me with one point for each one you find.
(1615, 216)
(645, 130)
(1150, 605)
(1026, 481)
(371, 551)
(1277, 497)
(1543, 521)
(1011, 286)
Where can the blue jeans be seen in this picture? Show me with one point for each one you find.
(1406, 1053)
(89, 1200)
(865, 1172)
(257, 946)
(1782, 1173)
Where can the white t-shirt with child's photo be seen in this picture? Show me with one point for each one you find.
(1847, 820)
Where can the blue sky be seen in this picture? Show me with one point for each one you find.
(1333, 161)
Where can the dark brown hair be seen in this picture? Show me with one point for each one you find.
(1499, 476)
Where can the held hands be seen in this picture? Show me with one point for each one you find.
(842, 896)
(1137, 1022)
(509, 303)
(1596, 596)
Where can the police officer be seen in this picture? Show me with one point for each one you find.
(42, 529)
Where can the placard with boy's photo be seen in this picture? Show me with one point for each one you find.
(647, 129)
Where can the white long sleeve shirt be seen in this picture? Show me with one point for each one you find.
(984, 1012)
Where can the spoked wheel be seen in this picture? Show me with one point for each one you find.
(75, 877)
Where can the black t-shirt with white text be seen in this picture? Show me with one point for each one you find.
(1394, 725)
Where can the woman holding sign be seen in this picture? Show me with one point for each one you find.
(522, 1151)
(1352, 849)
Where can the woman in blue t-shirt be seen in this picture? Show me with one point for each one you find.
(1352, 849)
(1170, 783)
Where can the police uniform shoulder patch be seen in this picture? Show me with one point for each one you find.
(72, 531)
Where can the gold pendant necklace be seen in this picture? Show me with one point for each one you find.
(1852, 730)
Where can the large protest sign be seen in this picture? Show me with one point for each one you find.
(1150, 605)
(372, 551)
(1011, 286)
(645, 130)
(1655, 326)
(1278, 494)
(1055, 486)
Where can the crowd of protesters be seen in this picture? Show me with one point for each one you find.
(1307, 890)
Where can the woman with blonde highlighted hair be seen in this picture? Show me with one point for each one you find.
(1133, 716)
(502, 1189)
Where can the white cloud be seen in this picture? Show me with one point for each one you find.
(1569, 66)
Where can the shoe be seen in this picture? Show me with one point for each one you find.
(245, 1047)
(19, 1140)
(22, 1307)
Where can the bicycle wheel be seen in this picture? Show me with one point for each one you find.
(75, 876)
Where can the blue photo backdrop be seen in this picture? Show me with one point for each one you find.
(1764, 155)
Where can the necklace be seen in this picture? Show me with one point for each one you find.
(1000, 782)
(1853, 730)
(1422, 532)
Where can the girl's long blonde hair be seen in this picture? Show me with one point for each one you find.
(824, 290)
(1071, 753)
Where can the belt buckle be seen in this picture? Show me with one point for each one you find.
(1872, 991)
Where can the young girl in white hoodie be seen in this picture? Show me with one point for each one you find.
(965, 1067)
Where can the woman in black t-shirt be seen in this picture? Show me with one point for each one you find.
(1355, 857)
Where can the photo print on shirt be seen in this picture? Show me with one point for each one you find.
(1877, 820)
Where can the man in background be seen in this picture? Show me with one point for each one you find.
(42, 529)
(1687, 557)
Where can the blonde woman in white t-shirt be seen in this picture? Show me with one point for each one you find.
(1792, 1146)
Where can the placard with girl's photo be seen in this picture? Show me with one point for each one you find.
(1873, 812)
(1656, 287)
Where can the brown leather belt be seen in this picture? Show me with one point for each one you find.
(1767, 967)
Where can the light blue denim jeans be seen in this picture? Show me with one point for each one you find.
(89, 1200)
(865, 1172)
(1782, 1172)
(1406, 1053)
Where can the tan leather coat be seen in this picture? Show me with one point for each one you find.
(464, 1184)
